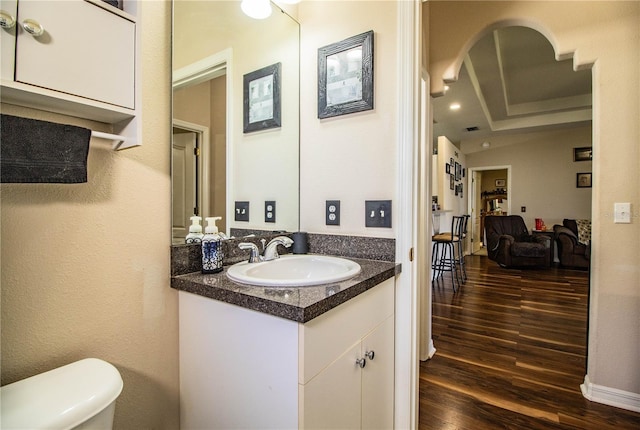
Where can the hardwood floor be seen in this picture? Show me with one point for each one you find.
(511, 348)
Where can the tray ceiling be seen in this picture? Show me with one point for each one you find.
(510, 83)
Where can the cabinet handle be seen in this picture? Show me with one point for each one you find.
(33, 27)
(6, 20)
(370, 354)
(361, 362)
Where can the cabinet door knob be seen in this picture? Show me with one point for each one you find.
(6, 20)
(361, 362)
(370, 354)
(33, 27)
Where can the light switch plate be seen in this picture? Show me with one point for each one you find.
(242, 211)
(377, 213)
(622, 213)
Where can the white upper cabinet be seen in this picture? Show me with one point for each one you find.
(82, 63)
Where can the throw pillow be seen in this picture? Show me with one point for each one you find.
(584, 231)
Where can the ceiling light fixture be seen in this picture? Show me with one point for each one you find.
(486, 145)
(454, 106)
(256, 9)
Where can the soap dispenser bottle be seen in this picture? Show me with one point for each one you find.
(211, 247)
(195, 230)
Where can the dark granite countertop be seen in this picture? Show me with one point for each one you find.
(300, 304)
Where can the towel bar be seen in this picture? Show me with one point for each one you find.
(118, 140)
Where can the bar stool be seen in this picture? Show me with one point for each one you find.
(445, 257)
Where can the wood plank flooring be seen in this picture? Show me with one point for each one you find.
(511, 347)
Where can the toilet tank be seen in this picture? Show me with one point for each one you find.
(63, 398)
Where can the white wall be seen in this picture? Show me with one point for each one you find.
(351, 158)
(543, 173)
(446, 196)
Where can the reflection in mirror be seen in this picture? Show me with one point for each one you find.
(214, 163)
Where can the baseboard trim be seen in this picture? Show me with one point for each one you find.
(610, 396)
(432, 349)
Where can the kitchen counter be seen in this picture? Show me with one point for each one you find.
(300, 304)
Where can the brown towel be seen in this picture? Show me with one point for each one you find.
(34, 151)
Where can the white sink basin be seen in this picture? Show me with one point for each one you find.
(294, 270)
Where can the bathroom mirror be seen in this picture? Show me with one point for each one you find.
(215, 164)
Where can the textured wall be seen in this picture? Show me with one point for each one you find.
(85, 267)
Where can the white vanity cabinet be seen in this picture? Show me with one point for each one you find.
(245, 369)
(82, 63)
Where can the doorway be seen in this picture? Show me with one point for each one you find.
(490, 195)
(190, 175)
(200, 104)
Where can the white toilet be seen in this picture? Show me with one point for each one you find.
(80, 395)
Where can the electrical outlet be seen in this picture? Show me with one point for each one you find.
(523, 208)
(242, 211)
(332, 212)
(270, 211)
(377, 213)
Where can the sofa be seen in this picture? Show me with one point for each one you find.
(573, 238)
(510, 245)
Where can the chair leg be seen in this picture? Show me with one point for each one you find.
(451, 263)
(461, 263)
(436, 265)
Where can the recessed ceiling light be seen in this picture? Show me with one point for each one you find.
(486, 145)
(454, 106)
(446, 88)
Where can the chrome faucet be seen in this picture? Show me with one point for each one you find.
(255, 256)
(270, 250)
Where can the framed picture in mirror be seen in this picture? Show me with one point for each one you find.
(345, 76)
(261, 94)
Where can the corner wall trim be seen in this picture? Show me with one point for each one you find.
(610, 396)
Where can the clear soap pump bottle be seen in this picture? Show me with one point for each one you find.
(212, 254)
(195, 230)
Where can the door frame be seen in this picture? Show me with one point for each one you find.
(203, 70)
(471, 202)
(203, 142)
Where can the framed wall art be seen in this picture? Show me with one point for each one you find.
(261, 94)
(582, 154)
(583, 180)
(345, 76)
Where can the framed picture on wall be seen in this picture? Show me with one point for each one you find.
(345, 76)
(458, 171)
(452, 182)
(447, 168)
(583, 180)
(582, 154)
(501, 183)
(261, 97)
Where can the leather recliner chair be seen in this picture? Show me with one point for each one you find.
(571, 252)
(510, 244)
